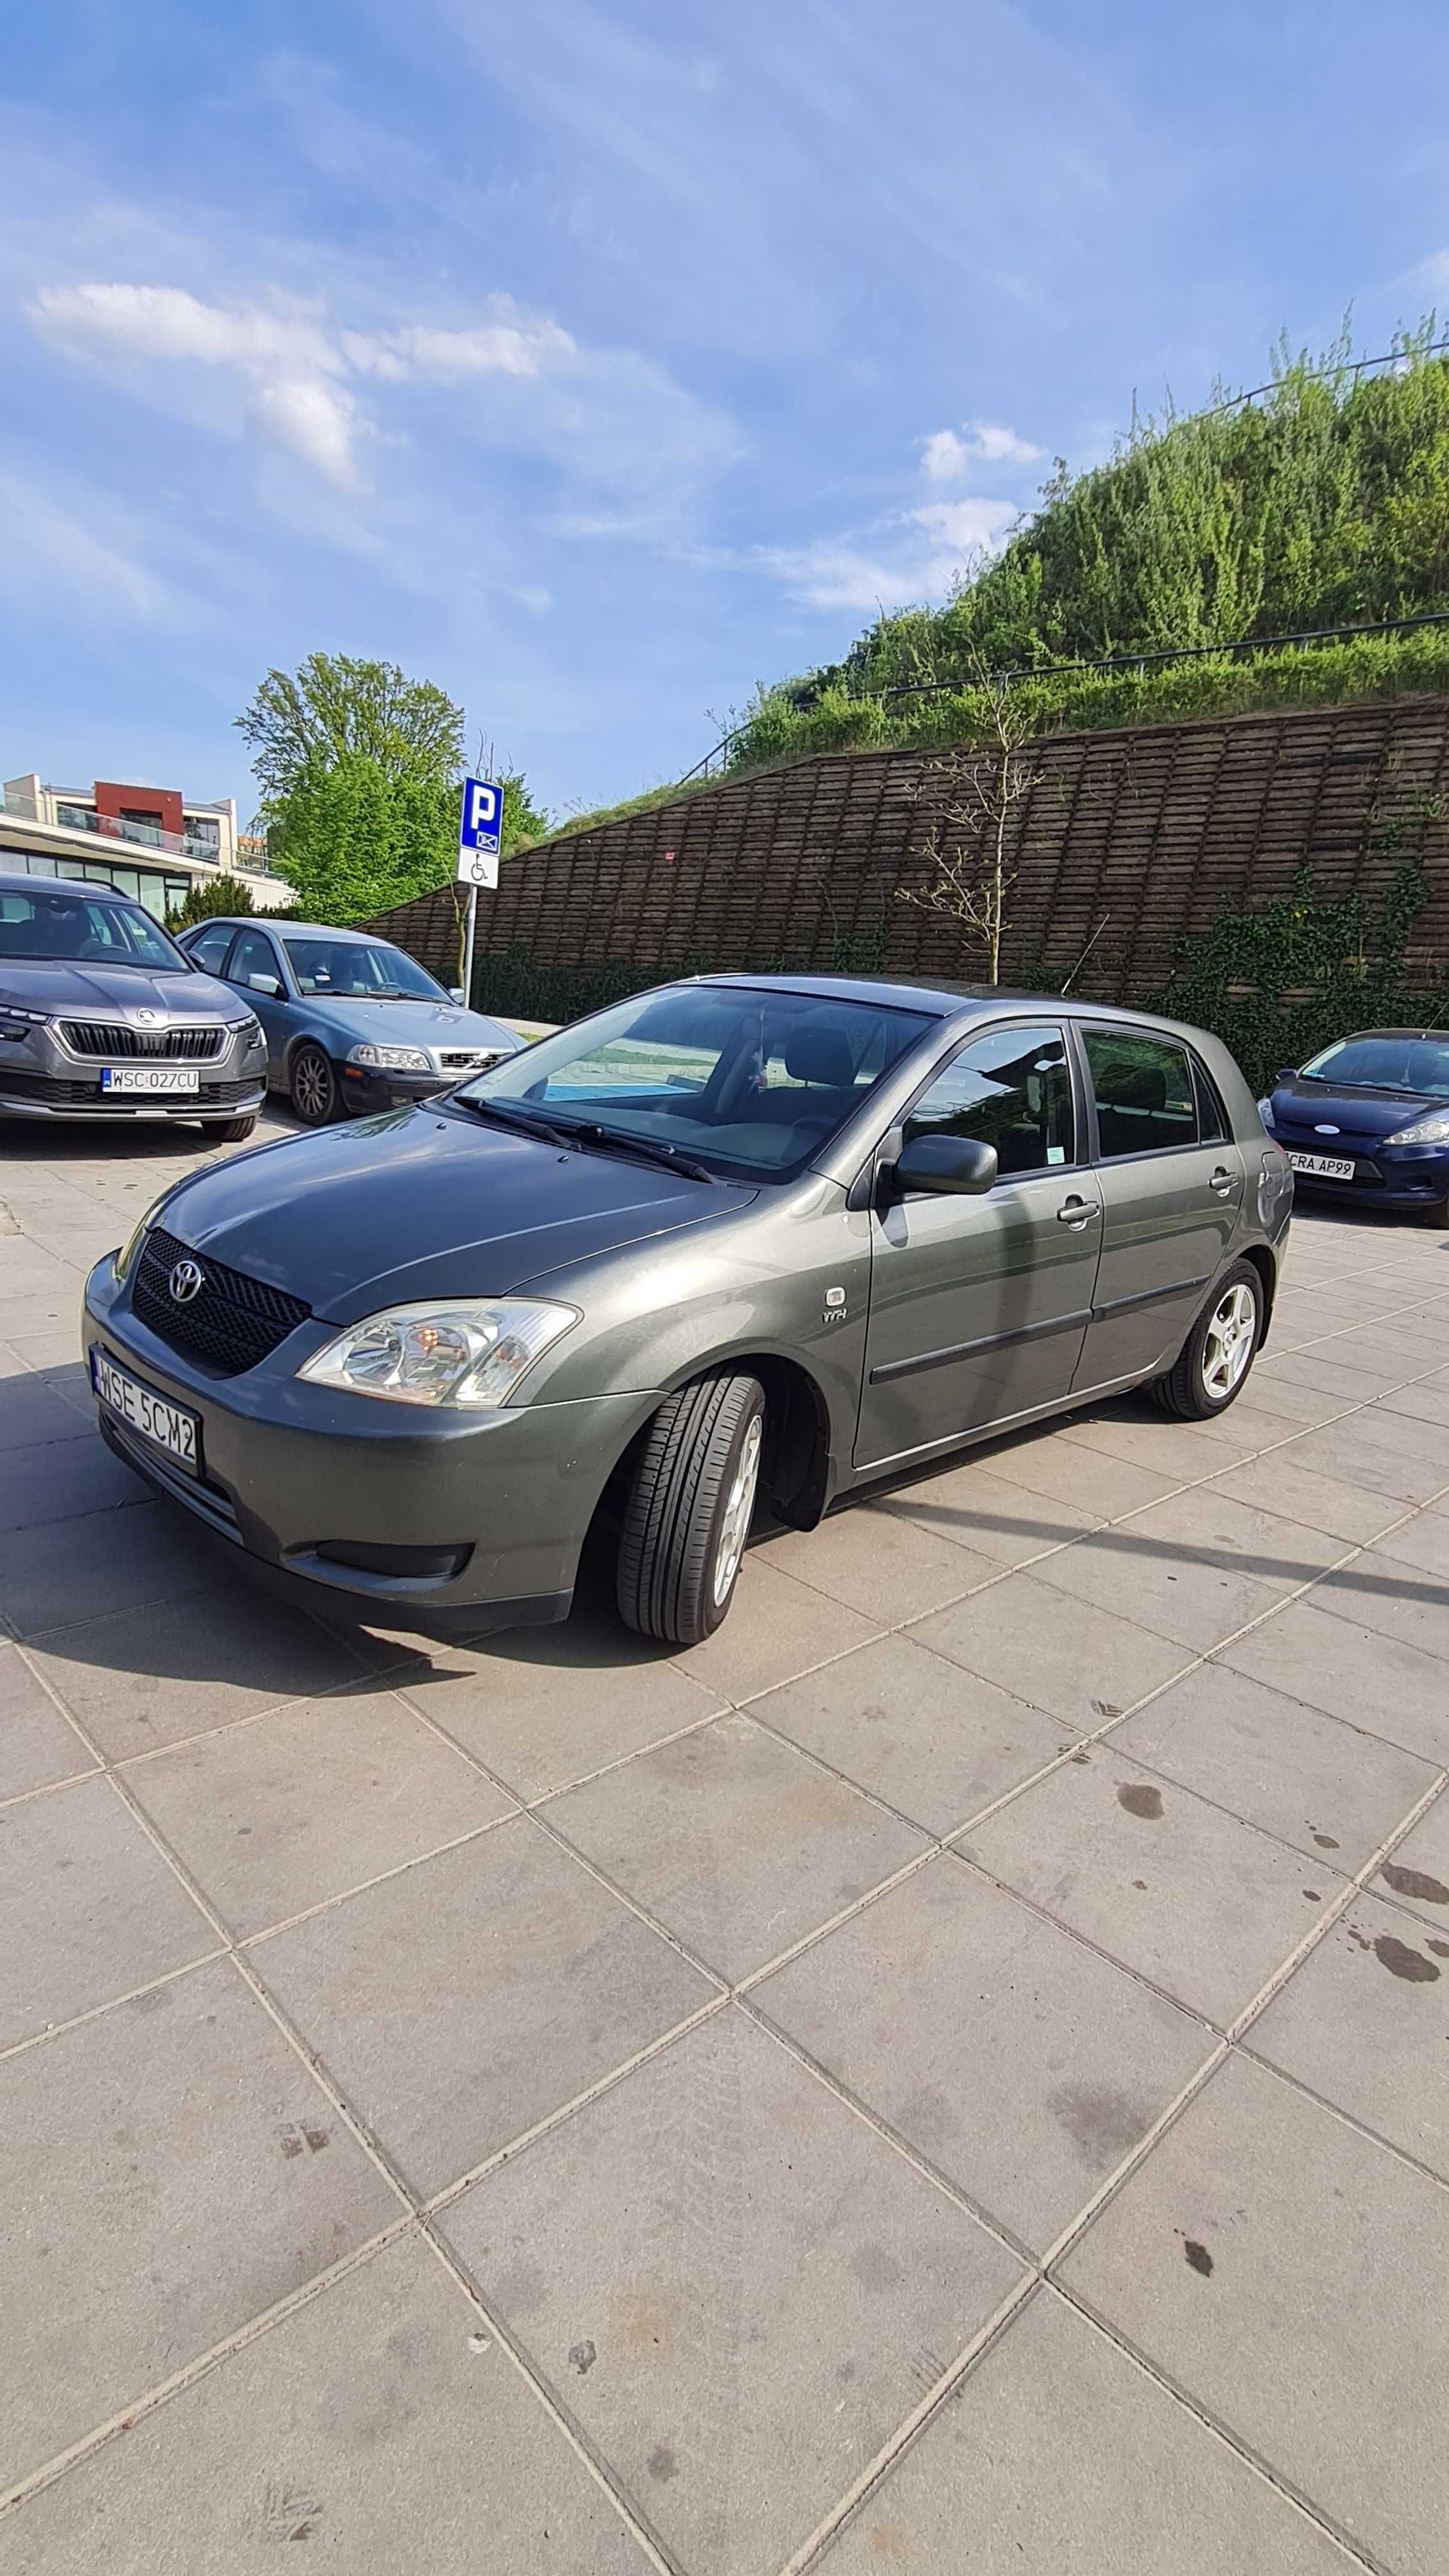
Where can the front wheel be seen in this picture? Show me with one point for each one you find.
(1211, 1369)
(689, 1509)
(313, 1087)
(229, 1131)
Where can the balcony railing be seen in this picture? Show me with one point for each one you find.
(196, 848)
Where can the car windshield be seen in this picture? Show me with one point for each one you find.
(1385, 1064)
(362, 969)
(82, 930)
(745, 1081)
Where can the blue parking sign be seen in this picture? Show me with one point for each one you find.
(480, 826)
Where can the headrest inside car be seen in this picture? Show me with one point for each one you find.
(1132, 1086)
(819, 1055)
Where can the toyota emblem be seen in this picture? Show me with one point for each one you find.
(186, 1279)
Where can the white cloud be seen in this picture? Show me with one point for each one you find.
(912, 555)
(514, 344)
(964, 525)
(71, 546)
(948, 458)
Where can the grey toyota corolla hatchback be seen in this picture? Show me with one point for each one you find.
(745, 1240)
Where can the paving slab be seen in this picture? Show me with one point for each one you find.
(364, 2425)
(143, 1677)
(1194, 1568)
(1315, 1781)
(734, 1841)
(1204, 1905)
(1364, 2023)
(1276, 1483)
(1136, 1432)
(1291, 2277)
(983, 1512)
(915, 1730)
(1060, 2453)
(1067, 1470)
(283, 1812)
(179, 2170)
(786, 1628)
(1391, 1454)
(32, 1411)
(553, 1705)
(879, 1562)
(1418, 1873)
(89, 1908)
(1377, 1590)
(38, 1744)
(1077, 1662)
(51, 1480)
(99, 1562)
(738, 2287)
(1422, 1543)
(465, 2000)
(1022, 2065)
(1389, 1689)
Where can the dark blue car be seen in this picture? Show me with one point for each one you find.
(1367, 1121)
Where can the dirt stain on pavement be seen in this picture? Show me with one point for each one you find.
(1414, 1882)
(1140, 1800)
(1401, 1961)
(1198, 2256)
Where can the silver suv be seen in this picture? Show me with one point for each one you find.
(103, 1016)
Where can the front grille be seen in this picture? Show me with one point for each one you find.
(59, 1093)
(231, 1323)
(102, 1038)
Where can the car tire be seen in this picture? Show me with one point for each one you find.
(1436, 1214)
(312, 1087)
(689, 1509)
(229, 1131)
(1211, 1369)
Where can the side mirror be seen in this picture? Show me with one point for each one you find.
(947, 1166)
(264, 984)
(456, 993)
(1285, 1073)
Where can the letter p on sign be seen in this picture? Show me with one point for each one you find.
(480, 832)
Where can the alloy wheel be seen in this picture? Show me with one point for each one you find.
(1228, 1342)
(738, 1511)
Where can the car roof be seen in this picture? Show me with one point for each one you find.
(940, 1001)
(311, 929)
(21, 883)
(1355, 1036)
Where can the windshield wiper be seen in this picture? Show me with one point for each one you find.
(623, 1140)
(528, 1122)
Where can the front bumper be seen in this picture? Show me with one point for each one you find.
(1400, 1179)
(42, 1077)
(365, 1090)
(500, 1502)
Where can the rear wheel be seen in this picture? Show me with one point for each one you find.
(689, 1509)
(313, 1087)
(1211, 1369)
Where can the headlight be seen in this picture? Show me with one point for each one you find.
(20, 1022)
(472, 1352)
(392, 1059)
(1433, 1130)
(1265, 1112)
(250, 1027)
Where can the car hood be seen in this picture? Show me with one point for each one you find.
(115, 992)
(1304, 1106)
(425, 1024)
(422, 1202)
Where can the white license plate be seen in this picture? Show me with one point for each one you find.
(150, 1077)
(1324, 1167)
(169, 1425)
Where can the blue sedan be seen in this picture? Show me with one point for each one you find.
(1367, 1121)
(351, 1022)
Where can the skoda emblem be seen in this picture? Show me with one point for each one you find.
(186, 1278)
(148, 1016)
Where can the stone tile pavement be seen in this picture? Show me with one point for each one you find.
(952, 2074)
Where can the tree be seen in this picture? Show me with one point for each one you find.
(221, 895)
(336, 706)
(974, 794)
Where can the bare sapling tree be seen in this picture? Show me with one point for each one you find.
(974, 794)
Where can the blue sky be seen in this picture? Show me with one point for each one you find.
(599, 360)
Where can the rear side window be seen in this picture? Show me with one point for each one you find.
(1011, 1089)
(254, 955)
(1143, 1089)
(209, 946)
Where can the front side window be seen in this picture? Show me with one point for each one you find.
(1143, 1089)
(254, 955)
(751, 1080)
(1011, 1089)
(74, 928)
(361, 969)
(209, 947)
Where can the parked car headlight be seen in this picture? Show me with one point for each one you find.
(251, 1029)
(1433, 1130)
(473, 1351)
(137, 1236)
(1265, 1112)
(391, 1059)
(15, 1023)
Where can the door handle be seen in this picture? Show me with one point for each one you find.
(1077, 1213)
(1222, 1182)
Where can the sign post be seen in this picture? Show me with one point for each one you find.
(480, 838)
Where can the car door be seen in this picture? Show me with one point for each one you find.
(208, 946)
(256, 969)
(1171, 1180)
(978, 1306)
